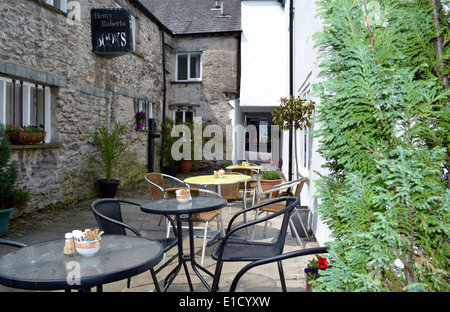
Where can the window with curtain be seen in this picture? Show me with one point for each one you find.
(188, 67)
(23, 103)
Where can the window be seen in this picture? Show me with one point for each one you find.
(307, 137)
(188, 67)
(23, 103)
(59, 4)
(146, 107)
(182, 116)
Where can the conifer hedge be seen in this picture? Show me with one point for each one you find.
(384, 117)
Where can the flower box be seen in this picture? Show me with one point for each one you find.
(23, 138)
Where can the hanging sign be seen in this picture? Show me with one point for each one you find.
(111, 32)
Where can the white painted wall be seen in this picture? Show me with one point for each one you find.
(305, 75)
(265, 57)
(265, 79)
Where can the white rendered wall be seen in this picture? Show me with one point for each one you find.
(305, 75)
(265, 53)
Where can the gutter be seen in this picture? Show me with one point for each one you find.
(291, 80)
(164, 92)
(164, 30)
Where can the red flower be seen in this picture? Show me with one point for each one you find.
(322, 262)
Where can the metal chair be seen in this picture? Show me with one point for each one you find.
(205, 217)
(231, 192)
(298, 185)
(157, 189)
(293, 254)
(108, 215)
(251, 185)
(11, 243)
(229, 250)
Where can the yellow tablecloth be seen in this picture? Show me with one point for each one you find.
(209, 179)
(245, 167)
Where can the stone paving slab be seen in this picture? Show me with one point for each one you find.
(261, 279)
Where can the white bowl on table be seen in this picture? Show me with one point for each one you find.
(88, 248)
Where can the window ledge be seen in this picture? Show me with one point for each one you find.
(185, 81)
(35, 146)
(50, 7)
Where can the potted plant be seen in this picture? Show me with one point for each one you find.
(25, 135)
(314, 269)
(111, 145)
(140, 120)
(293, 113)
(11, 195)
(270, 176)
(170, 164)
(185, 164)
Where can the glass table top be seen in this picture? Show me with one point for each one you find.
(172, 206)
(44, 266)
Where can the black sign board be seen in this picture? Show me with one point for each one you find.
(111, 32)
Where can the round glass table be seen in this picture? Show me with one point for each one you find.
(184, 212)
(43, 266)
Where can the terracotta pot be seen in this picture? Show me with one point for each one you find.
(185, 165)
(309, 287)
(268, 184)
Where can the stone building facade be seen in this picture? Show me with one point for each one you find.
(48, 51)
(39, 46)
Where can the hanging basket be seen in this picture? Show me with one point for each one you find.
(23, 138)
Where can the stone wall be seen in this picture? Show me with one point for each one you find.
(38, 45)
(211, 96)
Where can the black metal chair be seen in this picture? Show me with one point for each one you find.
(108, 214)
(229, 250)
(11, 243)
(278, 258)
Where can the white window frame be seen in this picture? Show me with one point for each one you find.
(62, 4)
(184, 111)
(146, 106)
(27, 102)
(189, 54)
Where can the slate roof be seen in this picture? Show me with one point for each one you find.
(196, 16)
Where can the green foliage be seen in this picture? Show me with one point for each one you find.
(169, 140)
(385, 134)
(270, 175)
(293, 113)
(11, 195)
(111, 145)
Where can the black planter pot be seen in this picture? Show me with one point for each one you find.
(108, 189)
(304, 215)
(171, 170)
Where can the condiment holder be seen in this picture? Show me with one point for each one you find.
(87, 243)
(183, 195)
(219, 174)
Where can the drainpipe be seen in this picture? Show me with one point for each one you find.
(291, 80)
(164, 92)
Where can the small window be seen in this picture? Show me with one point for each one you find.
(23, 103)
(146, 107)
(189, 67)
(59, 4)
(183, 116)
